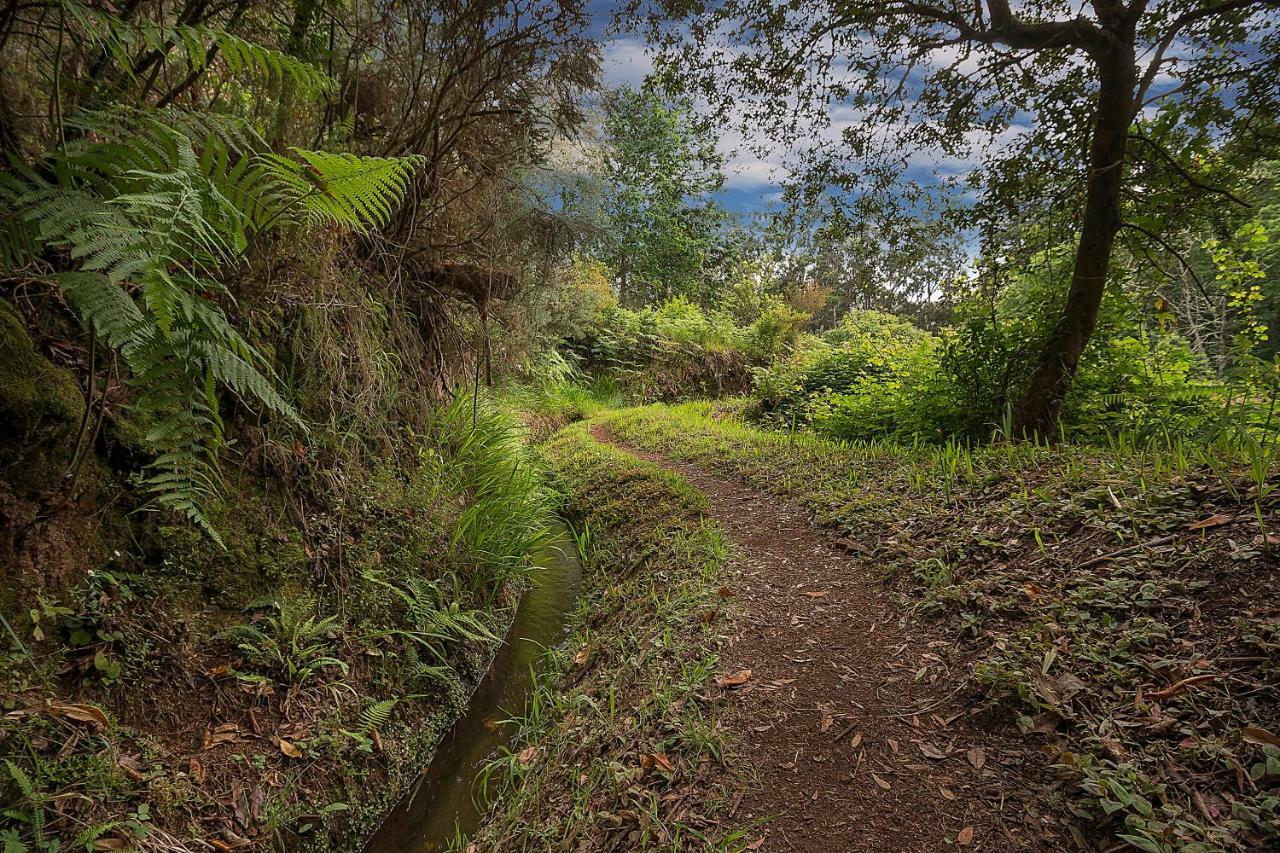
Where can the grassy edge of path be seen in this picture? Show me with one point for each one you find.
(619, 748)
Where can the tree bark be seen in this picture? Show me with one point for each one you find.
(1037, 412)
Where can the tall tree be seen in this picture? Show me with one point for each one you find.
(1053, 90)
(660, 168)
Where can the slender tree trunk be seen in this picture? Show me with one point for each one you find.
(303, 14)
(1037, 412)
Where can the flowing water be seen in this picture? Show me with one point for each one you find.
(442, 802)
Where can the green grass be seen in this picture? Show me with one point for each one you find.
(1069, 586)
(631, 682)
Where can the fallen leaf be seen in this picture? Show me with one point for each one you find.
(1259, 736)
(196, 770)
(1216, 520)
(757, 844)
(660, 760)
(857, 740)
(1067, 686)
(947, 793)
(818, 594)
(931, 751)
(725, 592)
(965, 836)
(1044, 723)
(881, 782)
(290, 749)
(79, 712)
(893, 744)
(581, 657)
(738, 679)
(827, 721)
(527, 755)
(977, 757)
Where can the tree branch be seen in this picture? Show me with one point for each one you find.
(1179, 24)
(1187, 176)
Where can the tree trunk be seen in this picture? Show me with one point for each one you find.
(1037, 412)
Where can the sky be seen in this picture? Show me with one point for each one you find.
(753, 182)
(751, 185)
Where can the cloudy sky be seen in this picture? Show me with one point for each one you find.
(753, 180)
(752, 183)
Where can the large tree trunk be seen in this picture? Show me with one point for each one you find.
(1037, 412)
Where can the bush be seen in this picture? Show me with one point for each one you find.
(867, 347)
(673, 351)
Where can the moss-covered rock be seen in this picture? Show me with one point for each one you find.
(34, 393)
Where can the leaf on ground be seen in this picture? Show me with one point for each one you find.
(658, 760)
(931, 751)
(290, 749)
(881, 782)
(977, 757)
(725, 592)
(1259, 736)
(818, 594)
(857, 740)
(1068, 685)
(581, 656)
(527, 755)
(965, 837)
(738, 679)
(947, 793)
(1215, 520)
(1044, 723)
(79, 712)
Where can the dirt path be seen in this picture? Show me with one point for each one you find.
(831, 720)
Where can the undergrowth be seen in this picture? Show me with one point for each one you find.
(311, 691)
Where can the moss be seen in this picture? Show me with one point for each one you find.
(33, 392)
(262, 553)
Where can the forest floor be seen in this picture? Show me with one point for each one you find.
(847, 750)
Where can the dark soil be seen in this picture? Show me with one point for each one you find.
(847, 750)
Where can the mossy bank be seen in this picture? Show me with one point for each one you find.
(160, 690)
(619, 748)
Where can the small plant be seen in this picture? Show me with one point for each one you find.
(290, 644)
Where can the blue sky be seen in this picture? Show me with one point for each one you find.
(750, 186)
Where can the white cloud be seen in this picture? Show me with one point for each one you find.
(626, 62)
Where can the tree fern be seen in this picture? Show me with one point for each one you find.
(141, 208)
(190, 46)
(342, 189)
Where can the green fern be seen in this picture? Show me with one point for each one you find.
(190, 48)
(147, 222)
(377, 715)
(342, 189)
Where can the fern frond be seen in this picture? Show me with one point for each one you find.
(377, 715)
(343, 189)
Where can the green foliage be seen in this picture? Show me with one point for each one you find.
(341, 189)
(289, 642)
(674, 350)
(659, 170)
(146, 214)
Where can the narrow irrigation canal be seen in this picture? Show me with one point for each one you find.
(442, 804)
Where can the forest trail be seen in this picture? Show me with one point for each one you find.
(849, 753)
